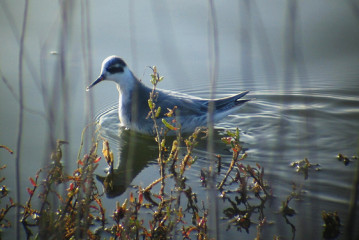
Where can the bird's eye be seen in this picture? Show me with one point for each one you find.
(115, 69)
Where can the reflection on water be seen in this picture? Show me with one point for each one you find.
(134, 152)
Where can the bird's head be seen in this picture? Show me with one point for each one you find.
(113, 69)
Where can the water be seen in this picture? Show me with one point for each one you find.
(277, 128)
(308, 109)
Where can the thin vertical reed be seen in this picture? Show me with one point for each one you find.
(287, 82)
(87, 60)
(132, 139)
(21, 121)
(294, 63)
(213, 68)
(64, 36)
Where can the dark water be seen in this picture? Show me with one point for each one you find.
(305, 103)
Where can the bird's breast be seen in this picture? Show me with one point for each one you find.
(124, 111)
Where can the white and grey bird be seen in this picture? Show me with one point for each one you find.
(133, 108)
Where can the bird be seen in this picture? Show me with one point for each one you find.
(190, 112)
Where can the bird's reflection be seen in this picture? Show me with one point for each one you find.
(135, 151)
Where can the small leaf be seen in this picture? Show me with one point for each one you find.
(105, 149)
(140, 197)
(226, 140)
(190, 229)
(94, 207)
(229, 133)
(163, 143)
(7, 148)
(97, 160)
(80, 162)
(71, 187)
(31, 192)
(168, 125)
(124, 204)
(158, 111)
(158, 196)
(111, 157)
(131, 197)
(150, 103)
(33, 183)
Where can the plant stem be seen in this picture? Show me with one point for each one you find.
(21, 120)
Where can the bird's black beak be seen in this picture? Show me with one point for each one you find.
(99, 79)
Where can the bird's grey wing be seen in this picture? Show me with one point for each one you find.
(186, 105)
(226, 103)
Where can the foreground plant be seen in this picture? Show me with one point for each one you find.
(303, 166)
(4, 196)
(331, 225)
(69, 214)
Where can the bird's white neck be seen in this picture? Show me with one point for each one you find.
(126, 83)
(125, 87)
